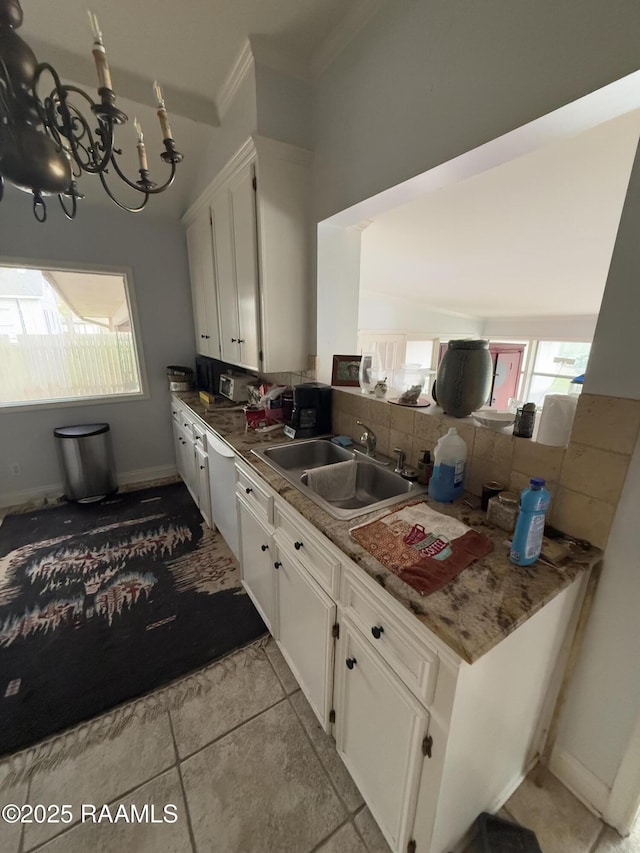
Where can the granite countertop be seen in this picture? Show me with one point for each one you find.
(473, 612)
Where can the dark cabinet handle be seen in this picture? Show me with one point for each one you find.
(202, 467)
(297, 545)
(234, 340)
(264, 547)
(207, 336)
(277, 564)
(377, 630)
(203, 336)
(186, 425)
(240, 340)
(351, 662)
(198, 438)
(248, 490)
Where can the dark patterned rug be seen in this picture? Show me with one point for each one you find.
(103, 602)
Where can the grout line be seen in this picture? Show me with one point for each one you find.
(317, 754)
(183, 789)
(599, 837)
(128, 792)
(42, 845)
(320, 844)
(233, 729)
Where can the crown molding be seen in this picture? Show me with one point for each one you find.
(242, 66)
(359, 14)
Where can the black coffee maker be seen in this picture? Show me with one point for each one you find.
(311, 413)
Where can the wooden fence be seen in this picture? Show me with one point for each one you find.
(54, 367)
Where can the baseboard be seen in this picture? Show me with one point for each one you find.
(583, 784)
(52, 492)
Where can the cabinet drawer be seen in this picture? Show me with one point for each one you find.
(293, 533)
(414, 662)
(200, 436)
(254, 493)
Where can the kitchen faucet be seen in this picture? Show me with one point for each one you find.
(368, 438)
(401, 459)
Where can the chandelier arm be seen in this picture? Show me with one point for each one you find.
(57, 104)
(74, 206)
(106, 188)
(144, 186)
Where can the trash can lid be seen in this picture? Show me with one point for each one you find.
(80, 431)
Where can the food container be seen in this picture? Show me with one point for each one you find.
(255, 417)
(180, 378)
(502, 510)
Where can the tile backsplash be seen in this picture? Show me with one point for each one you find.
(585, 479)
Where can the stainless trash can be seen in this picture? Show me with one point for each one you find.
(86, 457)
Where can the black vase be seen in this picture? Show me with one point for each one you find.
(464, 377)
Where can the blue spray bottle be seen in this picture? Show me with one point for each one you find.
(527, 539)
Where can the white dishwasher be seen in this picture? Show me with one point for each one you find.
(222, 485)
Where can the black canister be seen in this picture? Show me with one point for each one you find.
(525, 421)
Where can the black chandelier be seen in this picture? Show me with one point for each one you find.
(47, 143)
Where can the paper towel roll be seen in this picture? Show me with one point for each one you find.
(556, 419)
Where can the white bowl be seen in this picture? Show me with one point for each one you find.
(494, 420)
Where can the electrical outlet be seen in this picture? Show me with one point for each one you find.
(15, 470)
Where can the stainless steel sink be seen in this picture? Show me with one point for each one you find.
(377, 485)
(302, 455)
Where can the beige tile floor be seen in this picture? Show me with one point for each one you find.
(249, 770)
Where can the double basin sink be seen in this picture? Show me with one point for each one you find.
(377, 486)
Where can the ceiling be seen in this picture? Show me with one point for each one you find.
(531, 237)
(189, 47)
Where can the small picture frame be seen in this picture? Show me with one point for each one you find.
(346, 370)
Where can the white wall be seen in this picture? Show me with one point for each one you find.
(580, 327)
(236, 126)
(425, 82)
(284, 106)
(395, 313)
(156, 252)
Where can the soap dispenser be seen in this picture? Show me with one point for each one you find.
(425, 468)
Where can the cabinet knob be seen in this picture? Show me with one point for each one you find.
(186, 425)
(264, 547)
(207, 336)
(202, 467)
(203, 336)
(248, 490)
(377, 630)
(234, 340)
(297, 545)
(277, 564)
(351, 662)
(240, 340)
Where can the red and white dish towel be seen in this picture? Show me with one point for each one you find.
(423, 547)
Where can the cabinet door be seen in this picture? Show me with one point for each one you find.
(380, 728)
(242, 197)
(202, 476)
(178, 439)
(223, 249)
(306, 616)
(187, 462)
(203, 285)
(256, 560)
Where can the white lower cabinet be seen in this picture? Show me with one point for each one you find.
(257, 562)
(306, 616)
(430, 740)
(381, 734)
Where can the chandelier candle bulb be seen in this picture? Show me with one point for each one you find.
(142, 152)
(100, 55)
(162, 111)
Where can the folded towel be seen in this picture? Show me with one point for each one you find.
(337, 481)
(423, 547)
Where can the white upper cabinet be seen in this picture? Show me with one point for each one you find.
(259, 260)
(203, 288)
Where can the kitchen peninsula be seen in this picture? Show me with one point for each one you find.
(439, 705)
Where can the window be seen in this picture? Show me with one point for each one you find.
(555, 364)
(66, 336)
